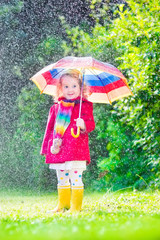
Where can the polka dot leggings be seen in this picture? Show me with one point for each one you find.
(66, 176)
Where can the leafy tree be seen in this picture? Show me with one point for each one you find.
(133, 41)
(135, 33)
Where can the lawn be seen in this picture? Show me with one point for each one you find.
(112, 215)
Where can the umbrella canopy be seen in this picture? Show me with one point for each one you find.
(105, 83)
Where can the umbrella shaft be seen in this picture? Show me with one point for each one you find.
(80, 106)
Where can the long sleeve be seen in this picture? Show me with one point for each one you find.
(48, 131)
(87, 116)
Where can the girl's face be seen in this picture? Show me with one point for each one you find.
(70, 87)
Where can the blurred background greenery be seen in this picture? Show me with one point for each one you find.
(125, 145)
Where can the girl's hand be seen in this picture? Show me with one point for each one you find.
(80, 123)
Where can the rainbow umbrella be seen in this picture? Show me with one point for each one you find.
(104, 82)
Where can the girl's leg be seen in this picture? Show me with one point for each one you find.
(76, 178)
(64, 191)
(63, 178)
(77, 189)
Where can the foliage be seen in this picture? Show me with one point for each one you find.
(22, 166)
(131, 42)
(134, 215)
(135, 33)
(103, 11)
(85, 44)
(124, 164)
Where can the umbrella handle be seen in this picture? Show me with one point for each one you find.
(75, 135)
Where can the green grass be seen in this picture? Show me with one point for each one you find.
(120, 215)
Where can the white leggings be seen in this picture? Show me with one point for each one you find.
(66, 176)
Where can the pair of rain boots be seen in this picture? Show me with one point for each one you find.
(65, 198)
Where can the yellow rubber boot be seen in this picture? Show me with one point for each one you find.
(76, 199)
(64, 198)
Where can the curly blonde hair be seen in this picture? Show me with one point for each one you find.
(73, 73)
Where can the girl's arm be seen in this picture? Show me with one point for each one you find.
(48, 131)
(87, 116)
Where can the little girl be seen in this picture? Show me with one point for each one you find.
(68, 155)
